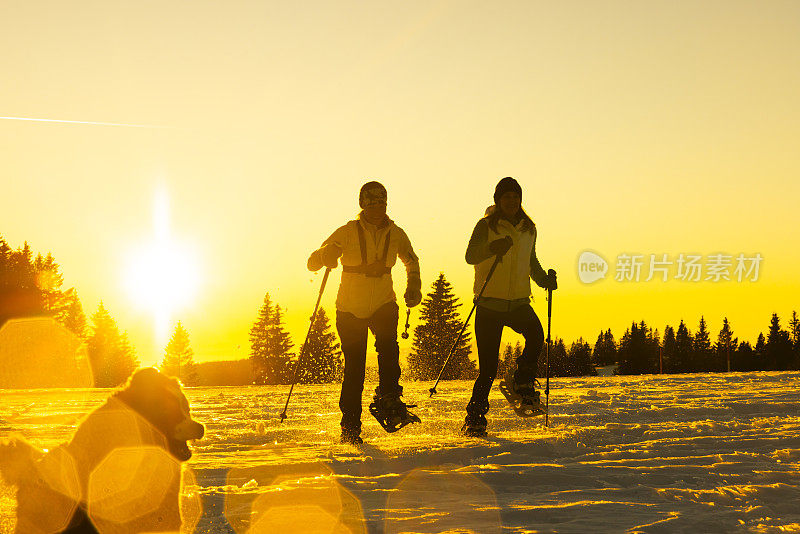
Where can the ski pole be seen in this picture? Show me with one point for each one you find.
(464, 327)
(404, 335)
(550, 273)
(303, 348)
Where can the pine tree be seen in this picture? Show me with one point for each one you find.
(638, 350)
(794, 333)
(63, 306)
(580, 358)
(123, 361)
(32, 286)
(179, 357)
(20, 295)
(508, 361)
(101, 344)
(282, 347)
(745, 357)
(5, 279)
(49, 280)
(270, 346)
(725, 348)
(779, 346)
(760, 353)
(627, 358)
(669, 348)
(73, 317)
(433, 338)
(605, 349)
(5, 251)
(684, 349)
(559, 361)
(22, 265)
(321, 358)
(652, 347)
(111, 356)
(702, 348)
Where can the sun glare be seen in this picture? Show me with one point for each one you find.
(162, 276)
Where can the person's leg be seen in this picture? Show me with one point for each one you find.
(524, 320)
(488, 331)
(383, 324)
(353, 336)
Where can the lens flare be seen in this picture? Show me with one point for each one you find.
(37, 352)
(291, 499)
(442, 500)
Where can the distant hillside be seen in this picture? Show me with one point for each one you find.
(225, 373)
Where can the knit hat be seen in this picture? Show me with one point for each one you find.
(504, 186)
(371, 194)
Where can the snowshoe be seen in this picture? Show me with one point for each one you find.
(351, 436)
(391, 412)
(523, 398)
(474, 428)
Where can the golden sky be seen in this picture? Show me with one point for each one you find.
(633, 128)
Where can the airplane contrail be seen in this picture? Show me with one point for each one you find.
(83, 122)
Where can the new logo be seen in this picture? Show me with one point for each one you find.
(591, 267)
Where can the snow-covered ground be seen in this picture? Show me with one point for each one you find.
(701, 453)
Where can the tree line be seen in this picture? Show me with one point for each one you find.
(32, 286)
(642, 350)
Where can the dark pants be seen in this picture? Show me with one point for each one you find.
(488, 331)
(353, 335)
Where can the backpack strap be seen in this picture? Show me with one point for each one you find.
(386, 246)
(364, 267)
(362, 243)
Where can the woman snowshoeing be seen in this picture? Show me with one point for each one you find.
(507, 234)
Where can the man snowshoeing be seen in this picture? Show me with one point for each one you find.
(368, 247)
(508, 235)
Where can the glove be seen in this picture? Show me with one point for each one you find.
(329, 254)
(499, 247)
(413, 293)
(413, 297)
(551, 283)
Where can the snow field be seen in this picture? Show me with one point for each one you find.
(662, 453)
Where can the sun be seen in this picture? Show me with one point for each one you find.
(162, 276)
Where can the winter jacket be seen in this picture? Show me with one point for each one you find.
(359, 293)
(511, 279)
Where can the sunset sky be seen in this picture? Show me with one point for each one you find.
(633, 127)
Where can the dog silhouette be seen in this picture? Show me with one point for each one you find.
(120, 472)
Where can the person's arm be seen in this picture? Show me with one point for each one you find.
(478, 247)
(405, 252)
(330, 251)
(538, 274)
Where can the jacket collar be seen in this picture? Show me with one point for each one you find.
(493, 208)
(367, 225)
